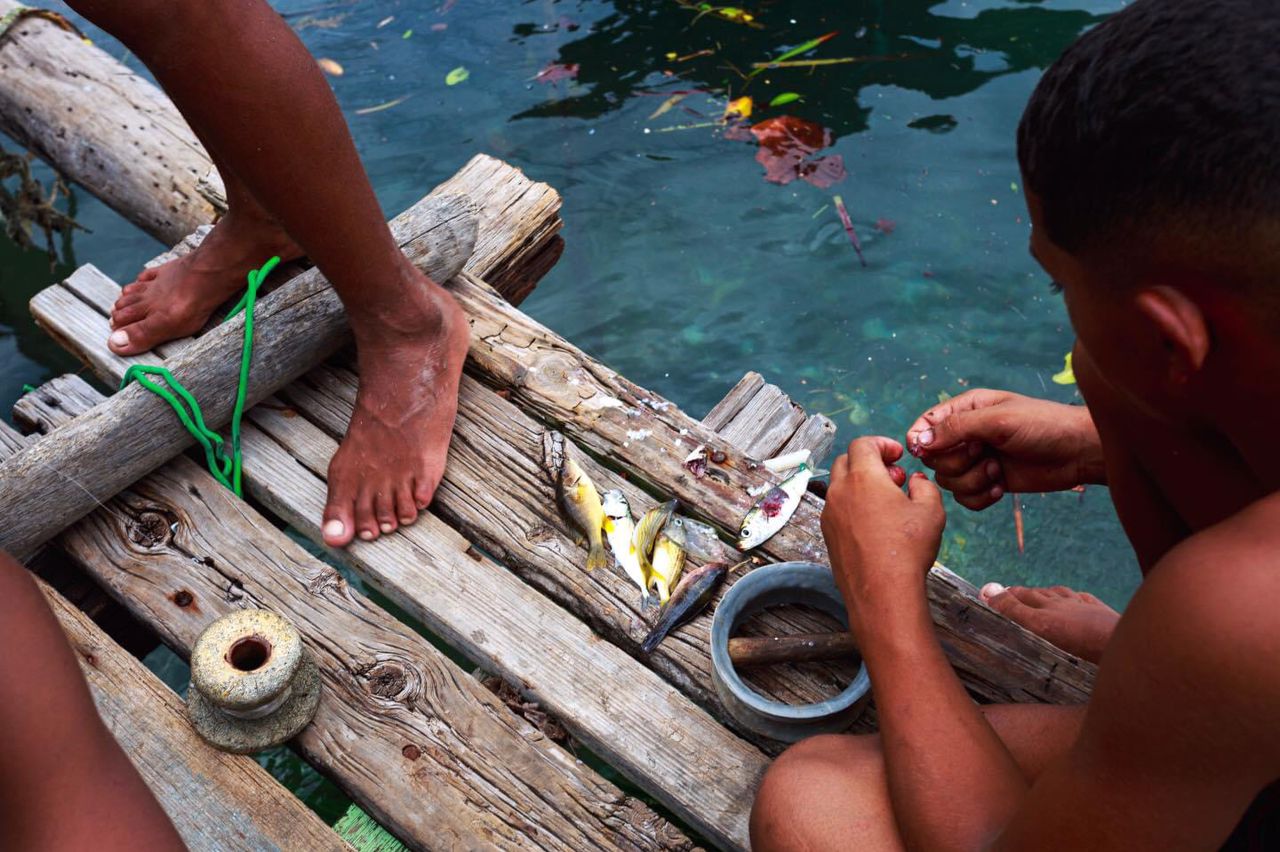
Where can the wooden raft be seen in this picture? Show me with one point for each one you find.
(413, 739)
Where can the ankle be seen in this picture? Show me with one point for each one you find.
(415, 307)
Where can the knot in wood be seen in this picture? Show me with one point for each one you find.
(389, 680)
(150, 529)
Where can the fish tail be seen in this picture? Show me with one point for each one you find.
(597, 557)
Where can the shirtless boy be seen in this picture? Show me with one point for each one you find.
(1149, 151)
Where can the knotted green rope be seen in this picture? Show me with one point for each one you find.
(224, 467)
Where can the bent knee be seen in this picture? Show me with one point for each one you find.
(794, 805)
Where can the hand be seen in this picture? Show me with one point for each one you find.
(881, 541)
(984, 443)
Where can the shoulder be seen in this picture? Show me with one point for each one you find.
(1206, 621)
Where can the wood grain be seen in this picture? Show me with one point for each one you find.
(421, 745)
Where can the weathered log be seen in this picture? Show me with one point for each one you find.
(106, 128)
(637, 430)
(421, 745)
(217, 801)
(800, 648)
(46, 487)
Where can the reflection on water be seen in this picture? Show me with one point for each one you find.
(684, 267)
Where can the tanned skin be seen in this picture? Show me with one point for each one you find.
(64, 782)
(258, 102)
(1179, 735)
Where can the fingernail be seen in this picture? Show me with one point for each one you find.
(334, 529)
(990, 590)
(119, 338)
(925, 438)
(366, 535)
(386, 528)
(996, 492)
(993, 470)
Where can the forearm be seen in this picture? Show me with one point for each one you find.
(953, 784)
(1091, 467)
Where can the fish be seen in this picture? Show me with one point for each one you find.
(581, 502)
(694, 537)
(619, 530)
(775, 508)
(665, 569)
(646, 534)
(689, 599)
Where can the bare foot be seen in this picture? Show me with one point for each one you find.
(393, 456)
(1076, 622)
(177, 298)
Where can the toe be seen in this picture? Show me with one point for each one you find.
(384, 509)
(424, 489)
(366, 521)
(1062, 591)
(339, 517)
(1034, 598)
(134, 338)
(127, 315)
(406, 507)
(148, 274)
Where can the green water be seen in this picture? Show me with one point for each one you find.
(684, 268)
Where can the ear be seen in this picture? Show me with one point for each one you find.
(1181, 326)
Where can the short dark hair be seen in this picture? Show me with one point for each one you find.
(1167, 113)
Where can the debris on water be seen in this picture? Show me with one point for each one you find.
(380, 107)
(848, 228)
(784, 99)
(793, 52)
(787, 148)
(1068, 374)
(1017, 523)
(557, 71)
(388, 19)
(886, 226)
(330, 66)
(26, 208)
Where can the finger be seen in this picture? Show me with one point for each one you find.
(977, 479)
(873, 451)
(898, 475)
(956, 460)
(921, 490)
(980, 500)
(923, 436)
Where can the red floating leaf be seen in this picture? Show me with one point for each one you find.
(555, 72)
(787, 146)
(885, 226)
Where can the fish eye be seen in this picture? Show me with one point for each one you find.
(746, 533)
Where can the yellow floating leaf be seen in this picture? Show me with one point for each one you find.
(1068, 375)
(329, 66)
(671, 54)
(740, 108)
(456, 76)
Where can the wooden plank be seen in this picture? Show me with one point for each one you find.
(604, 697)
(764, 424)
(104, 127)
(556, 382)
(497, 494)
(817, 435)
(296, 327)
(738, 396)
(217, 801)
(421, 745)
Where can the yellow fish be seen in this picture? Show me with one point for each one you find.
(582, 504)
(619, 530)
(664, 570)
(648, 530)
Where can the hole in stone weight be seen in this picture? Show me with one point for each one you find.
(250, 653)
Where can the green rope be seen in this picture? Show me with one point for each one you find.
(225, 468)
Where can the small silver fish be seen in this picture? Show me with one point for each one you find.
(698, 539)
(619, 530)
(648, 530)
(775, 508)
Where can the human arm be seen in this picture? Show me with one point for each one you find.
(985, 443)
(1180, 716)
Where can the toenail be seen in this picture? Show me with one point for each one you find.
(334, 529)
(408, 520)
(366, 535)
(119, 338)
(990, 590)
(386, 528)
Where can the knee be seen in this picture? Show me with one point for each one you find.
(797, 793)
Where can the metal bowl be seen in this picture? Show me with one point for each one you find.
(775, 585)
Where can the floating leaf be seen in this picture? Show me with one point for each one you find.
(388, 19)
(787, 146)
(671, 54)
(380, 107)
(740, 108)
(784, 99)
(886, 226)
(438, 28)
(456, 76)
(407, 34)
(329, 66)
(795, 51)
(555, 72)
(1068, 375)
(666, 105)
